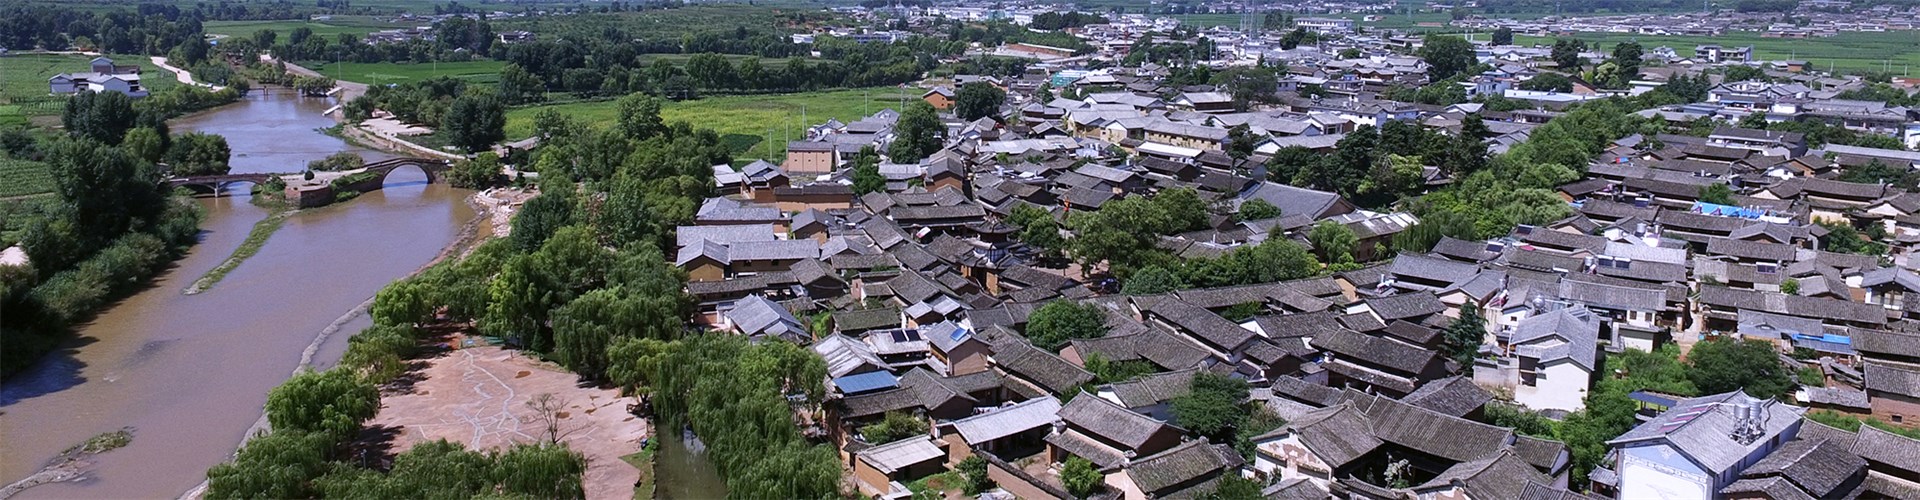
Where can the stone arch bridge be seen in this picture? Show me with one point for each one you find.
(216, 185)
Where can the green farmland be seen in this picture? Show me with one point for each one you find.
(386, 73)
(356, 25)
(1892, 51)
(746, 121)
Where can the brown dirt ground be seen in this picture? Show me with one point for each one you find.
(478, 396)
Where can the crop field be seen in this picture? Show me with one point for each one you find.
(385, 73)
(26, 195)
(745, 121)
(1889, 51)
(357, 25)
(23, 81)
(671, 24)
(22, 177)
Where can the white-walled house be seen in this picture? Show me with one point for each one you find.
(103, 77)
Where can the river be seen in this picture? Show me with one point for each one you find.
(190, 373)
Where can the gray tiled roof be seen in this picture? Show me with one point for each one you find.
(1499, 475)
(1884, 447)
(1043, 368)
(1338, 434)
(1155, 388)
(1111, 422)
(1817, 466)
(1181, 464)
(1453, 396)
(1010, 420)
(1444, 436)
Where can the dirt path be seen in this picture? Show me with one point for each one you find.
(183, 75)
(479, 396)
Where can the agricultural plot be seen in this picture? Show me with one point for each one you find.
(1890, 51)
(745, 121)
(387, 73)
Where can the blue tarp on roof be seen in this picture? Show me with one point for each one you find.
(1702, 207)
(865, 382)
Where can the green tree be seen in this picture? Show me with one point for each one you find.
(1213, 407)
(1446, 55)
(195, 153)
(481, 172)
(1744, 73)
(1724, 365)
(917, 134)
(542, 216)
(1233, 486)
(1464, 336)
(866, 172)
(626, 219)
(1257, 209)
(145, 143)
(894, 426)
(104, 116)
(540, 471)
(1053, 324)
(1081, 478)
(1626, 59)
(1153, 280)
(1182, 208)
(1566, 54)
(978, 100)
(640, 117)
(332, 403)
(1334, 241)
(1503, 36)
(1842, 237)
(1551, 82)
(1432, 226)
(975, 469)
(475, 121)
(1717, 193)
(281, 464)
(519, 86)
(1790, 286)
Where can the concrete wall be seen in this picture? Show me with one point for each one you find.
(1019, 483)
(1887, 406)
(1559, 386)
(816, 162)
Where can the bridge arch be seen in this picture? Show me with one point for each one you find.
(435, 170)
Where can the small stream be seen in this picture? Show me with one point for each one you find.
(681, 471)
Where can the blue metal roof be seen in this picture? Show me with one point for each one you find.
(870, 381)
(1651, 398)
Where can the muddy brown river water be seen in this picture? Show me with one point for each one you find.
(190, 373)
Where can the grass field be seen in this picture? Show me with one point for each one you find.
(1892, 50)
(357, 25)
(23, 81)
(746, 121)
(385, 73)
(669, 24)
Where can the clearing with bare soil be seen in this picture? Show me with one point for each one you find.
(489, 398)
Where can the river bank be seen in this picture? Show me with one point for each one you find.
(191, 373)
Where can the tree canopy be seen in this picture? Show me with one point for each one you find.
(1053, 324)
